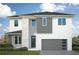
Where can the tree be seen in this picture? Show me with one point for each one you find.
(75, 40)
(6, 41)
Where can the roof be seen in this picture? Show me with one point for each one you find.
(48, 13)
(42, 13)
(19, 31)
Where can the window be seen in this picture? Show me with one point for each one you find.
(33, 41)
(33, 23)
(44, 21)
(64, 44)
(18, 39)
(61, 21)
(15, 22)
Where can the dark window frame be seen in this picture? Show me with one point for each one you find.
(16, 39)
(64, 44)
(61, 21)
(20, 39)
(16, 23)
(33, 41)
(33, 22)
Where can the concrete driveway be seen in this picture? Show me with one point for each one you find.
(47, 52)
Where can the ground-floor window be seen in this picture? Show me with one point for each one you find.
(18, 40)
(33, 41)
(64, 44)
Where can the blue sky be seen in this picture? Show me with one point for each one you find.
(21, 8)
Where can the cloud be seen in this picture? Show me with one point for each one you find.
(5, 10)
(73, 4)
(51, 7)
(75, 29)
(47, 7)
(6, 30)
(0, 25)
(3, 30)
(60, 7)
(76, 22)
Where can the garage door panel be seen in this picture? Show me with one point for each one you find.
(52, 44)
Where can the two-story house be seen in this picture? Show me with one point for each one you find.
(41, 31)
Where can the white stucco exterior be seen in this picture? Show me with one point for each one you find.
(25, 32)
(58, 32)
(12, 27)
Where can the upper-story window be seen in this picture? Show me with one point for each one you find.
(61, 21)
(16, 23)
(33, 23)
(44, 21)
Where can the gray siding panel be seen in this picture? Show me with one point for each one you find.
(44, 29)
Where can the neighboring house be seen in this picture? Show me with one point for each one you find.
(41, 31)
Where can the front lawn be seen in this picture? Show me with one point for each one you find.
(19, 52)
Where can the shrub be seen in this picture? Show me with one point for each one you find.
(9, 47)
(5, 48)
(75, 47)
(6, 45)
(22, 49)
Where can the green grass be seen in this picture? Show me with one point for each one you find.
(19, 52)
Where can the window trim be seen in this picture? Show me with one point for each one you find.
(44, 21)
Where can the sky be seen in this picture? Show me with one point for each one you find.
(9, 9)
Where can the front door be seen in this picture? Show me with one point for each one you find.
(33, 41)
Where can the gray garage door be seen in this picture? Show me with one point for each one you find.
(54, 44)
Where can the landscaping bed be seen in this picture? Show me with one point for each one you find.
(7, 49)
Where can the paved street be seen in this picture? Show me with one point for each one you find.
(46, 52)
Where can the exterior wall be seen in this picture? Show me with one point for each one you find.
(12, 27)
(32, 30)
(59, 32)
(44, 29)
(25, 32)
